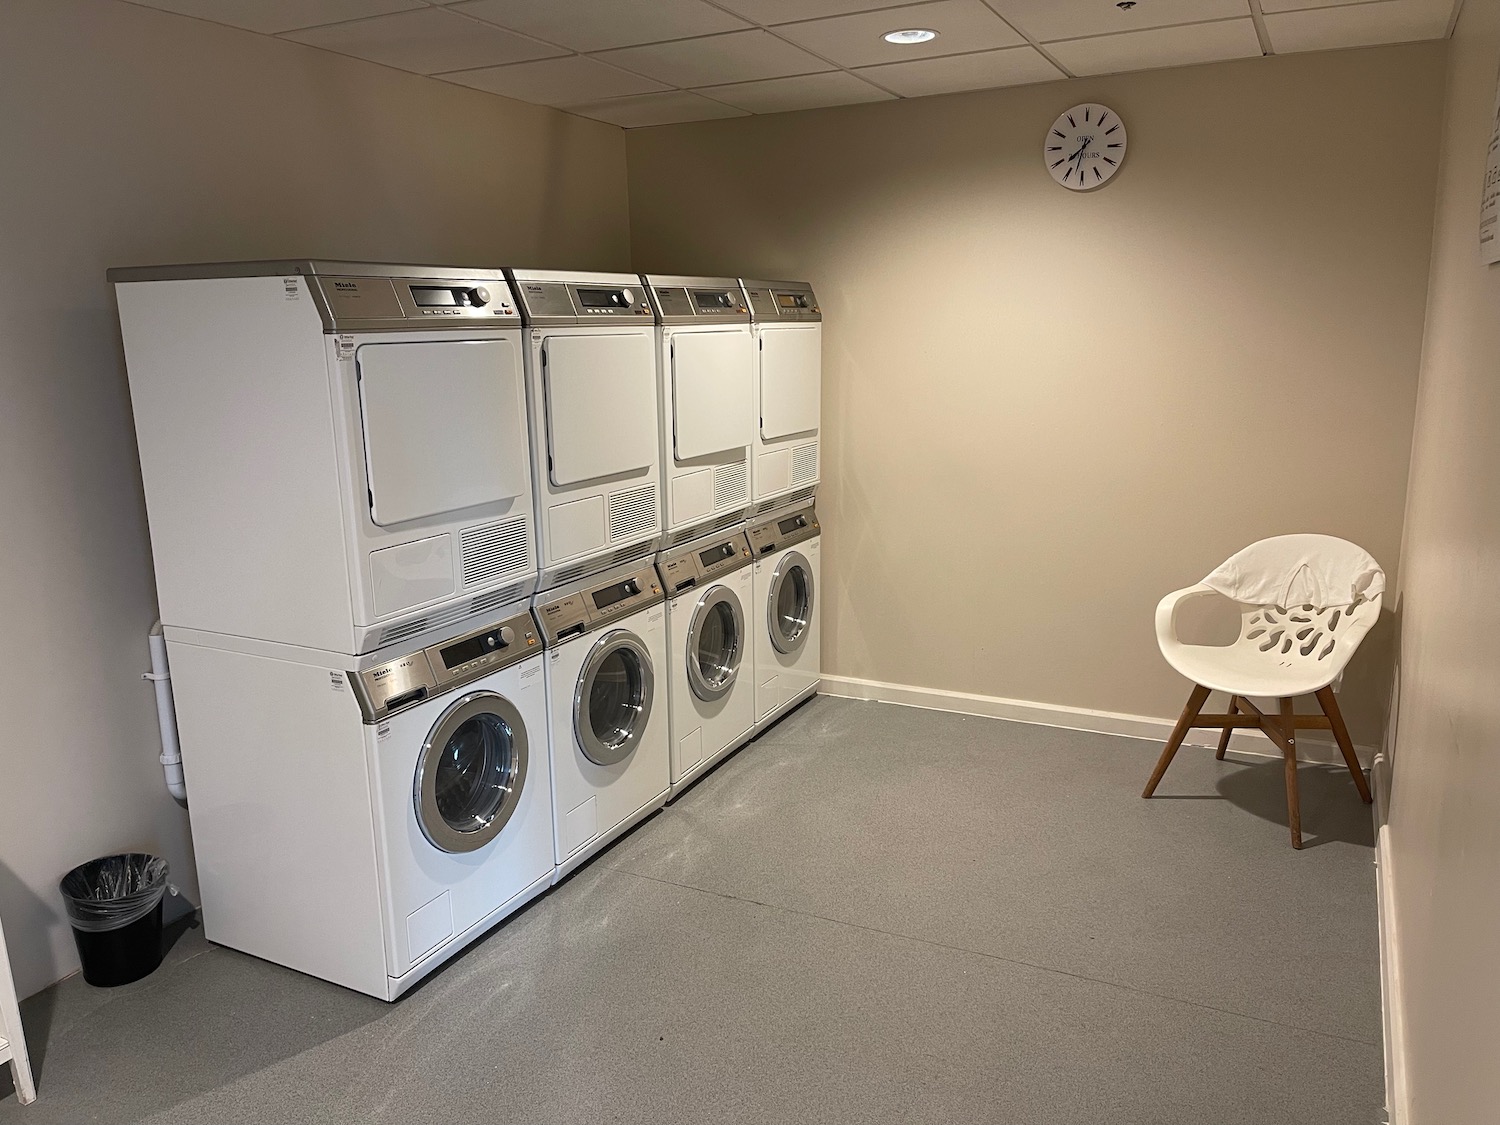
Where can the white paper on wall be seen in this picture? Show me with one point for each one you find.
(1489, 200)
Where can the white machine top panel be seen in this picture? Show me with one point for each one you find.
(365, 297)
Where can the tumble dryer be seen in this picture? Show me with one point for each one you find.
(334, 454)
(786, 547)
(710, 646)
(592, 390)
(706, 361)
(607, 645)
(788, 326)
(362, 824)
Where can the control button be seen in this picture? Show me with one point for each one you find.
(507, 636)
(479, 296)
(628, 295)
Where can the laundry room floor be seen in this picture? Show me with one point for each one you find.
(870, 914)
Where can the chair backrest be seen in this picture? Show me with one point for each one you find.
(1306, 634)
(1292, 570)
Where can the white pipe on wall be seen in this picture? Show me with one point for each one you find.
(166, 716)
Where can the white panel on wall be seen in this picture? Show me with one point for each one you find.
(1166, 46)
(1011, 66)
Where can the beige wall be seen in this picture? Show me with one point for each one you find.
(130, 136)
(1043, 411)
(1443, 836)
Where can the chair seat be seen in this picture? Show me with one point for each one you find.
(1237, 670)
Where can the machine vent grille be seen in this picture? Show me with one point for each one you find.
(568, 574)
(633, 512)
(495, 550)
(401, 632)
(805, 463)
(785, 501)
(486, 602)
(693, 531)
(731, 485)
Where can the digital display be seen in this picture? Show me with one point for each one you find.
(791, 300)
(432, 297)
(602, 298)
(796, 523)
(708, 300)
(607, 597)
(716, 554)
(468, 650)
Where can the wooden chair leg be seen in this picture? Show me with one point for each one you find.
(1289, 752)
(1184, 724)
(1330, 705)
(1234, 709)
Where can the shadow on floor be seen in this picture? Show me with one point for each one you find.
(1330, 805)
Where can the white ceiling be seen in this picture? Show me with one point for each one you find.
(653, 62)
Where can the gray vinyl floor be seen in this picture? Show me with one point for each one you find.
(870, 914)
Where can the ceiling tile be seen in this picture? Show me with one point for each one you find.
(809, 91)
(1298, 5)
(595, 25)
(427, 42)
(565, 81)
(1012, 66)
(740, 56)
(1045, 20)
(1358, 25)
(962, 25)
(1165, 46)
(655, 109)
(271, 16)
(784, 11)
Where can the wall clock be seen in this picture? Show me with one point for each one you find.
(1085, 146)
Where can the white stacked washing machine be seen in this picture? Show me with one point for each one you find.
(710, 644)
(787, 546)
(339, 493)
(706, 364)
(606, 644)
(788, 327)
(594, 398)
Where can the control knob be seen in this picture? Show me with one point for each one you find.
(627, 297)
(479, 296)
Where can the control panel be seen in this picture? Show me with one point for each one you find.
(565, 302)
(782, 530)
(407, 681)
(694, 300)
(584, 609)
(782, 301)
(699, 562)
(367, 302)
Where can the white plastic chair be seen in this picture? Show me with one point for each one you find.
(1281, 652)
(12, 1039)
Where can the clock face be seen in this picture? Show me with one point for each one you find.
(1085, 146)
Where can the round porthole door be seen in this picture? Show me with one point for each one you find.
(613, 701)
(789, 606)
(471, 772)
(715, 643)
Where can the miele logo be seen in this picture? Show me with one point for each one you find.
(382, 673)
(347, 286)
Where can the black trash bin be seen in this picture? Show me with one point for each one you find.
(114, 904)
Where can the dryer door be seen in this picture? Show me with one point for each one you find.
(601, 405)
(712, 392)
(471, 772)
(612, 703)
(789, 603)
(442, 426)
(715, 643)
(791, 379)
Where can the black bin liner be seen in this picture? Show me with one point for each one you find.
(114, 904)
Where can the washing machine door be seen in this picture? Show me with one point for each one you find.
(789, 603)
(715, 643)
(471, 772)
(613, 700)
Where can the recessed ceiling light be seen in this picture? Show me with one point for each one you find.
(907, 36)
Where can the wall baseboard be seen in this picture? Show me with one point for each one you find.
(1393, 1022)
(1310, 747)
